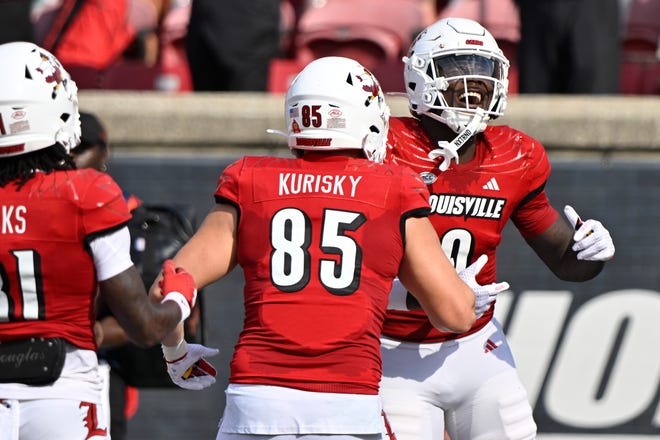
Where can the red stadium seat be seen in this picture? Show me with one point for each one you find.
(390, 26)
(374, 32)
(643, 21)
(640, 56)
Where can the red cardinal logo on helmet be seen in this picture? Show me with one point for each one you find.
(369, 85)
(51, 71)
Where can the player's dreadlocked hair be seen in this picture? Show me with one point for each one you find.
(19, 169)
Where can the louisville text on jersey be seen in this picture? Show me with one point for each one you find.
(467, 206)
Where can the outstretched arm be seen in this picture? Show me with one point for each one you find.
(208, 256)
(575, 251)
(211, 253)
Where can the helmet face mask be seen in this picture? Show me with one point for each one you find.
(454, 67)
(38, 101)
(466, 65)
(335, 103)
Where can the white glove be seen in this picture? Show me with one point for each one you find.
(484, 295)
(592, 241)
(187, 367)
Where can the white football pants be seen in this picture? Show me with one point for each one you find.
(468, 386)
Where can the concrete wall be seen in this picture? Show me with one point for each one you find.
(238, 120)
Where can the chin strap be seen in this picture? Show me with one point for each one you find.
(449, 150)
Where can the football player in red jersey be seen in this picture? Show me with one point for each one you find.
(320, 238)
(63, 240)
(479, 177)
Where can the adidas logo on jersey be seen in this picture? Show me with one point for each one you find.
(490, 346)
(492, 185)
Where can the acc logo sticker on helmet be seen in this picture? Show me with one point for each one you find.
(18, 114)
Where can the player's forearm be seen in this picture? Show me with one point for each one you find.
(572, 269)
(173, 338)
(146, 323)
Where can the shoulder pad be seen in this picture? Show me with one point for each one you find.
(514, 150)
(408, 145)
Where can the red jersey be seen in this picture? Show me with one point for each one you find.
(47, 276)
(320, 240)
(470, 205)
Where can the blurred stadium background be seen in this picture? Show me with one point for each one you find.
(588, 353)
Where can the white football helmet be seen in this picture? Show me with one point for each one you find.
(453, 68)
(38, 101)
(335, 103)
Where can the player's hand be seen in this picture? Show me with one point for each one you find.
(593, 241)
(190, 370)
(484, 295)
(179, 286)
